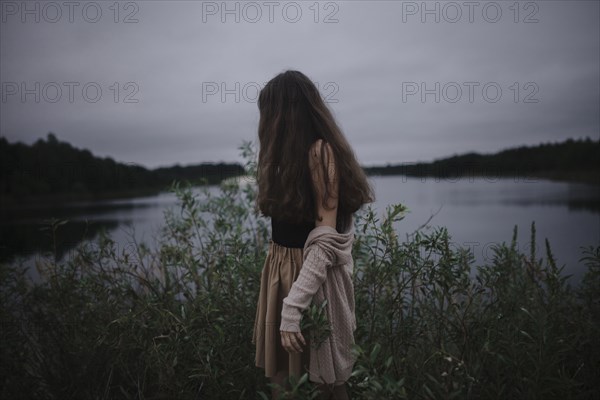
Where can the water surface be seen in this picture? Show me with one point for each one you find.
(478, 212)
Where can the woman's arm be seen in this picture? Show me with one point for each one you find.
(324, 195)
(311, 277)
(314, 269)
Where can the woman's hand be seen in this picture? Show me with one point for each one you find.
(291, 341)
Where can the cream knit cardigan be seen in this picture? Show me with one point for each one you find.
(326, 273)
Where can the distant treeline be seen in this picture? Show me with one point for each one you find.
(569, 160)
(54, 170)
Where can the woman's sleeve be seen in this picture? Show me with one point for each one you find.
(317, 258)
(311, 277)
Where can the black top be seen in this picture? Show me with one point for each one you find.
(290, 234)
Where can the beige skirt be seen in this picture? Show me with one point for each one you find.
(279, 272)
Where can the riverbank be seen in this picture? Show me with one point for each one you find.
(569, 161)
(10, 203)
(589, 177)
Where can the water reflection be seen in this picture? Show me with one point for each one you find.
(28, 238)
(27, 230)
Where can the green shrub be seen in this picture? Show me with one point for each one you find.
(175, 322)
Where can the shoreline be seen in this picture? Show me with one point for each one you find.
(10, 203)
(591, 178)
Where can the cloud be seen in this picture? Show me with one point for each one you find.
(364, 63)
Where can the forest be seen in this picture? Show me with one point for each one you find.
(53, 171)
(571, 160)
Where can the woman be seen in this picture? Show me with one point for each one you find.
(310, 184)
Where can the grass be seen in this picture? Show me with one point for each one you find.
(176, 322)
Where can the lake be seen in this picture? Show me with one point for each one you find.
(478, 212)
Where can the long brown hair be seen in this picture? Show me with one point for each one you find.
(292, 117)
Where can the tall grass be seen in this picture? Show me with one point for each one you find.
(175, 322)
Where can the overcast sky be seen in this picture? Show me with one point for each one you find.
(149, 88)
